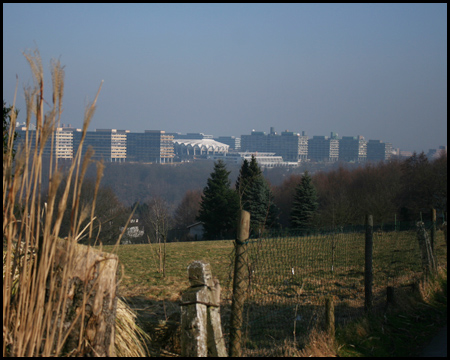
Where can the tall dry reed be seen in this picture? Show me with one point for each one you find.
(35, 300)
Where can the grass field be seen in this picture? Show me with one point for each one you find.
(289, 280)
(141, 265)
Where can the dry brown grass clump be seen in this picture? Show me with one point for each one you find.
(130, 338)
(319, 344)
(37, 288)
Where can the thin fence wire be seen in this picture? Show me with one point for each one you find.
(290, 276)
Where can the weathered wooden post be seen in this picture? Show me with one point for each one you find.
(444, 229)
(390, 296)
(200, 314)
(240, 275)
(91, 303)
(329, 316)
(368, 270)
(433, 229)
(428, 262)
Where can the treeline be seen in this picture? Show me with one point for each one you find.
(397, 188)
(334, 198)
(401, 190)
(134, 182)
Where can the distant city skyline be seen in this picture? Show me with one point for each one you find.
(215, 136)
(377, 70)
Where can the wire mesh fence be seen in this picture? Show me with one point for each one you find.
(290, 276)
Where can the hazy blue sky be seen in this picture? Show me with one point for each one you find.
(224, 69)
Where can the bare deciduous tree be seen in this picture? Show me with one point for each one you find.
(187, 211)
(159, 219)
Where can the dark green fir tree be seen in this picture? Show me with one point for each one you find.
(256, 197)
(305, 204)
(219, 206)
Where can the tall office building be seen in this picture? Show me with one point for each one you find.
(108, 144)
(62, 141)
(256, 141)
(323, 148)
(378, 150)
(287, 144)
(232, 141)
(150, 146)
(352, 149)
(303, 147)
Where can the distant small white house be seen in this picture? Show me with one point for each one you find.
(196, 230)
(133, 231)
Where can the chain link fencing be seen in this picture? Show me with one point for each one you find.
(290, 275)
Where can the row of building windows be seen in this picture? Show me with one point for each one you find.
(297, 147)
(109, 144)
(293, 147)
(159, 146)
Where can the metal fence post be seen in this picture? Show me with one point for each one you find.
(240, 270)
(368, 270)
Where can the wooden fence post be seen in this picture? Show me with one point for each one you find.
(433, 229)
(390, 296)
(200, 314)
(329, 316)
(428, 262)
(240, 275)
(92, 291)
(368, 270)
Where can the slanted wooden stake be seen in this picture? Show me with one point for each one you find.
(200, 314)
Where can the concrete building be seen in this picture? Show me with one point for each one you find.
(191, 136)
(303, 147)
(287, 144)
(264, 160)
(378, 150)
(233, 142)
(108, 144)
(352, 149)
(256, 141)
(436, 153)
(150, 146)
(198, 148)
(62, 140)
(323, 149)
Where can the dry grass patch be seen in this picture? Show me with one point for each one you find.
(47, 310)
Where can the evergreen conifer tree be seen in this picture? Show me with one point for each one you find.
(304, 205)
(256, 197)
(219, 205)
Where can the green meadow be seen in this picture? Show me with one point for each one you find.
(289, 279)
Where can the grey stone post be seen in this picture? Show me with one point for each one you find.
(200, 314)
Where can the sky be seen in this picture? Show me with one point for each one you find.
(377, 70)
